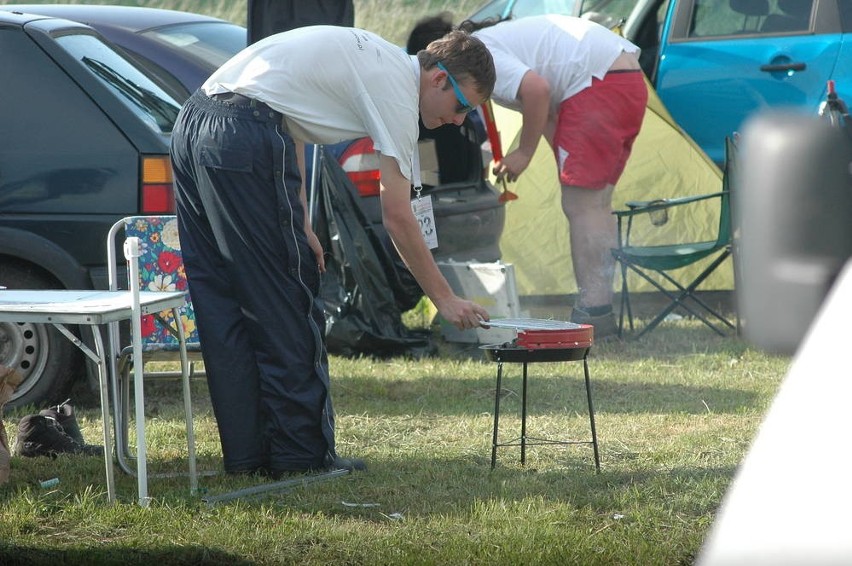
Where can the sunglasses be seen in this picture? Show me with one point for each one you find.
(463, 106)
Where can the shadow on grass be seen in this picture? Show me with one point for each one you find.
(13, 555)
(547, 395)
(450, 486)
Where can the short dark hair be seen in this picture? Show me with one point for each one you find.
(427, 30)
(464, 56)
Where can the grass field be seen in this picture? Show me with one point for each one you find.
(675, 415)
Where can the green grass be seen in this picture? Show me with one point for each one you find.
(675, 415)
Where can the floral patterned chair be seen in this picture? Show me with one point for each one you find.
(160, 269)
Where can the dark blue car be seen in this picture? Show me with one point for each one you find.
(181, 49)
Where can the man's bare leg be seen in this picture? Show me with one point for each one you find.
(592, 228)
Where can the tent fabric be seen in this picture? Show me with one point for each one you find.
(665, 163)
(357, 289)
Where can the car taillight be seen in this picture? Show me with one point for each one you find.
(361, 164)
(158, 193)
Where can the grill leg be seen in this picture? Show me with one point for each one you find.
(591, 413)
(524, 419)
(496, 415)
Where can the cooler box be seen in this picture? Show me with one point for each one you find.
(491, 285)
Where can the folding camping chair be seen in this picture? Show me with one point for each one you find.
(655, 263)
(160, 269)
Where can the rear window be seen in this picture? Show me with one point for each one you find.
(212, 42)
(143, 96)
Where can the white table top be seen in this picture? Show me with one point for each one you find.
(80, 307)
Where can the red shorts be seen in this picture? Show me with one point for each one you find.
(596, 129)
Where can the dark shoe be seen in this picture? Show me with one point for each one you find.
(64, 415)
(260, 471)
(350, 464)
(40, 435)
(605, 324)
(330, 464)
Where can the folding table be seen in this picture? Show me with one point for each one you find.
(91, 309)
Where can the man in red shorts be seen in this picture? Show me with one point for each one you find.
(580, 86)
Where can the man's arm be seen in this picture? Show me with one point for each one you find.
(405, 232)
(534, 95)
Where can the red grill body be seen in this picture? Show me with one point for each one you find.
(581, 337)
(544, 334)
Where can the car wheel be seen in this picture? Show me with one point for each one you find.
(45, 359)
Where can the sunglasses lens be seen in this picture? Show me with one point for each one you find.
(463, 106)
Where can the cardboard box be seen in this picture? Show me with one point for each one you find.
(491, 285)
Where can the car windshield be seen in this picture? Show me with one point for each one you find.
(523, 8)
(144, 97)
(214, 42)
(606, 12)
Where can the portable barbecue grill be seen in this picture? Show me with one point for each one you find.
(540, 340)
(540, 334)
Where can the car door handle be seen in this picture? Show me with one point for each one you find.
(783, 67)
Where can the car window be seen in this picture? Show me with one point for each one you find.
(67, 156)
(607, 12)
(845, 7)
(212, 42)
(524, 8)
(759, 17)
(144, 97)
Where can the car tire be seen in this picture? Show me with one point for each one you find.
(45, 358)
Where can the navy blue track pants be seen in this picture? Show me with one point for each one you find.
(253, 281)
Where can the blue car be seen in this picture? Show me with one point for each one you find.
(721, 62)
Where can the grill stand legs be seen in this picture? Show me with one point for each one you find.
(524, 440)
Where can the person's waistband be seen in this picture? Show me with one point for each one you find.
(240, 106)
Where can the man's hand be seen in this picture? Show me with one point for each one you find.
(461, 313)
(316, 247)
(512, 165)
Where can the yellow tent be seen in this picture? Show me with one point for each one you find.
(665, 163)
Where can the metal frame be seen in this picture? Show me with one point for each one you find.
(501, 355)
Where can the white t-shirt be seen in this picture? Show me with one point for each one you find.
(565, 50)
(332, 84)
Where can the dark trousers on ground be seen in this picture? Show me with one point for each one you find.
(254, 282)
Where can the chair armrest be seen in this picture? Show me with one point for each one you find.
(644, 206)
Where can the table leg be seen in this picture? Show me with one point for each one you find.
(496, 415)
(99, 357)
(187, 402)
(524, 418)
(105, 411)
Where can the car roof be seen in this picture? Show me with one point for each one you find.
(130, 18)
